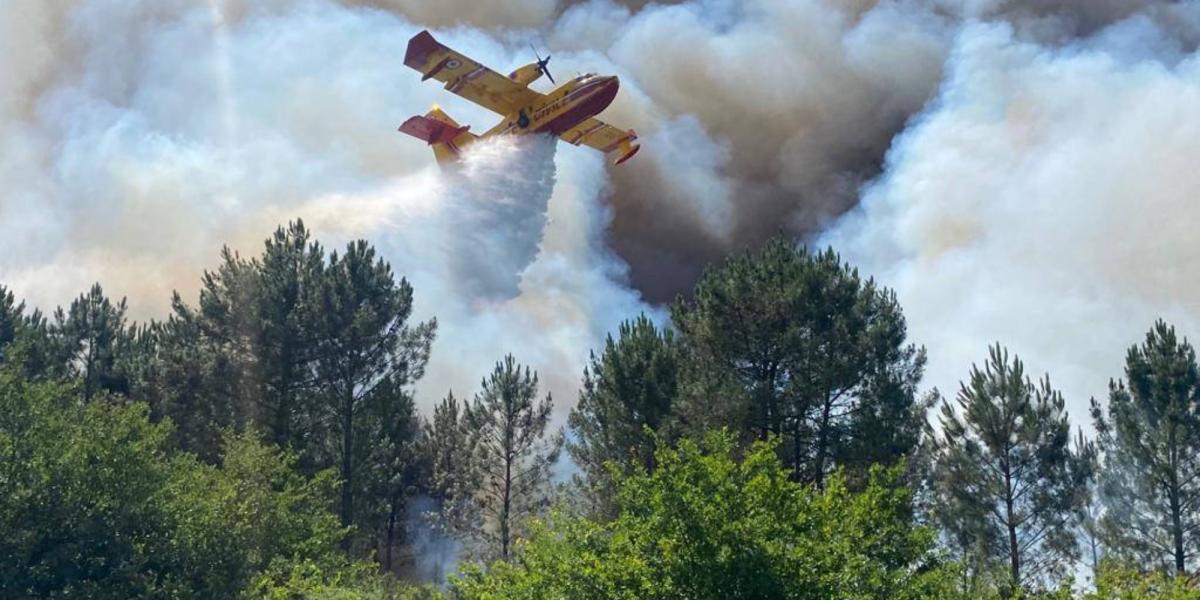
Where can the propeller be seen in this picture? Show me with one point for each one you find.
(541, 63)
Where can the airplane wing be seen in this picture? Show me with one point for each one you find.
(466, 77)
(614, 142)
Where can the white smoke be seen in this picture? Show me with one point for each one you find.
(435, 552)
(1046, 200)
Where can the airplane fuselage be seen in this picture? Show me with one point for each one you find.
(563, 109)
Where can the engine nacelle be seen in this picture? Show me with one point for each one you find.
(526, 74)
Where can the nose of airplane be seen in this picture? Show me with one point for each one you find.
(605, 92)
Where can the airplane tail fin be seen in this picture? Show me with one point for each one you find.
(441, 132)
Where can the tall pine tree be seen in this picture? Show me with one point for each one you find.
(367, 352)
(289, 273)
(196, 383)
(514, 453)
(1150, 437)
(798, 345)
(1008, 479)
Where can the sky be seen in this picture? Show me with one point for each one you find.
(1017, 171)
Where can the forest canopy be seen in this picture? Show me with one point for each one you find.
(771, 439)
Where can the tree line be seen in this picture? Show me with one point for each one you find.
(771, 440)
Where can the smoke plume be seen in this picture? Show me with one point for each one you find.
(1046, 200)
(1017, 169)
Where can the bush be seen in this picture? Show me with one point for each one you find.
(704, 525)
(93, 505)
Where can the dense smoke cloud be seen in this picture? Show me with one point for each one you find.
(1047, 200)
(762, 116)
(138, 136)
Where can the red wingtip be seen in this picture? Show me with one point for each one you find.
(419, 49)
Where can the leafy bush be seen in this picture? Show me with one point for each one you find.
(704, 525)
(93, 505)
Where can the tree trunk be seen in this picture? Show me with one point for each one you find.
(822, 442)
(1176, 504)
(1014, 556)
(797, 448)
(347, 459)
(391, 539)
(1178, 534)
(88, 366)
(504, 511)
(282, 430)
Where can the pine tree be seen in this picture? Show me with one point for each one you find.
(222, 326)
(26, 336)
(365, 351)
(1089, 512)
(395, 465)
(89, 336)
(256, 316)
(514, 453)
(454, 477)
(197, 383)
(1150, 437)
(449, 451)
(12, 316)
(1008, 479)
(288, 275)
(797, 345)
(628, 395)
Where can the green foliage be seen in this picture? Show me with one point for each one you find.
(795, 344)
(1008, 481)
(1121, 582)
(281, 312)
(1151, 443)
(627, 397)
(704, 525)
(93, 506)
(133, 464)
(361, 581)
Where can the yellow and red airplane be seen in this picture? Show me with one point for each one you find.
(568, 112)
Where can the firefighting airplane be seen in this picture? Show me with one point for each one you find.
(568, 112)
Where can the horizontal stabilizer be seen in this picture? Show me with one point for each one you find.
(419, 48)
(432, 131)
